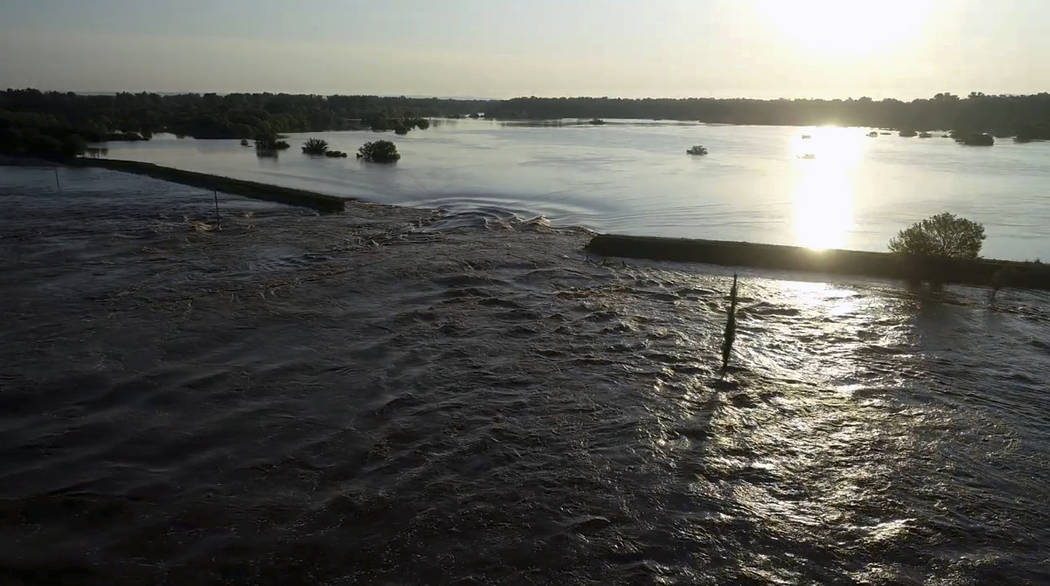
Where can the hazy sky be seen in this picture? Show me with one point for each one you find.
(754, 48)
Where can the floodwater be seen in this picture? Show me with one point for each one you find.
(390, 396)
(634, 177)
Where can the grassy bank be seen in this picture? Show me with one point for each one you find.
(988, 272)
(297, 197)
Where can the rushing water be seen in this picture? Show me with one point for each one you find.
(634, 177)
(380, 398)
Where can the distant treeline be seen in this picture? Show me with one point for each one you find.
(34, 122)
(1024, 117)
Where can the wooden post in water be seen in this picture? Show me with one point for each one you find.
(215, 192)
(58, 183)
(730, 333)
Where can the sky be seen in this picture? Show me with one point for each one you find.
(499, 49)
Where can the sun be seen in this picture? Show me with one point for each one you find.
(843, 26)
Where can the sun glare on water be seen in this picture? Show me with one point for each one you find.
(823, 185)
(845, 27)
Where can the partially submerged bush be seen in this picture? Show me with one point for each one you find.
(380, 151)
(943, 236)
(270, 144)
(974, 138)
(335, 154)
(696, 150)
(315, 146)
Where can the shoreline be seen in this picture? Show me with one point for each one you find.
(994, 273)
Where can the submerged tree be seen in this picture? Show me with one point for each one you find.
(315, 146)
(944, 235)
(973, 138)
(380, 151)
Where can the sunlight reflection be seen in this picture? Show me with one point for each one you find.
(823, 187)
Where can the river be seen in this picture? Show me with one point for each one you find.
(633, 177)
(387, 396)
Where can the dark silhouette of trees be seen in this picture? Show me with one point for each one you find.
(944, 235)
(31, 121)
(262, 116)
(1027, 117)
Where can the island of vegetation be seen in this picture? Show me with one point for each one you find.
(380, 151)
(696, 149)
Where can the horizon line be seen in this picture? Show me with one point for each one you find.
(491, 99)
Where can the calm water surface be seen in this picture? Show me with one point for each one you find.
(634, 177)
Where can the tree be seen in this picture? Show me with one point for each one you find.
(315, 146)
(944, 235)
(72, 145)
(380, 151)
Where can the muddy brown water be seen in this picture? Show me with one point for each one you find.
(390, 396)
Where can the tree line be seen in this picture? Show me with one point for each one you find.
(1025, 117)
(35, 122)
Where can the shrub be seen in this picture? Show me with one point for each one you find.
(944, 235)
(380, 151)
(271, 144)
(974, 138)
(315, 146)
